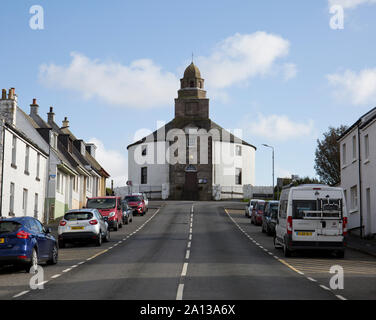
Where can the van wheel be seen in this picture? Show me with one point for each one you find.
(286, 251)
(340, 254)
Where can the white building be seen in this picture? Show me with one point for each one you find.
(191, 156)
(24, 161)
(358, 173)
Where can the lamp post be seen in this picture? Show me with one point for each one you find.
(265, 145)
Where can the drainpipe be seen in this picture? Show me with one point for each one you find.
(2, 168)
(360, 187)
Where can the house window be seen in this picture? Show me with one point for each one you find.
(88, 184)
(38, 165)
(344, 154)
(354, 198)
(192, 140)
(14, 150)
(366, 146)
(144, 150)
(144, 175)
(238, 176)
(36, 206)
(11, 203)
(345, 193)
(24, 202)
(27, 157)
(238, 150)
(354, 146)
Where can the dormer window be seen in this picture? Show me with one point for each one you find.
(53, 141)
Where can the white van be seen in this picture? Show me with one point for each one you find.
(311, 217)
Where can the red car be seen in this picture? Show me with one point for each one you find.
(110, 208)
(258, 212)
(137, 203)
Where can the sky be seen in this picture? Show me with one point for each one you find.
(277, 70)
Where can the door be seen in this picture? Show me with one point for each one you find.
(190, 186)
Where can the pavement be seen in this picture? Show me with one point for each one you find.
(184, 250)
(362, 245)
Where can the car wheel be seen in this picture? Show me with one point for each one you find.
(33, 262)
(54, 255)
(121, 224)
(61, 244)
(126, 220)
(107, 237)
(98, 242)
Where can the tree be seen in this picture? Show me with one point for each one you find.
(327, 156)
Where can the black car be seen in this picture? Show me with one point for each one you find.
(25, 241)
(269, 218)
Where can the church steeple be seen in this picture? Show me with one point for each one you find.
(192, 101)
(192, 85)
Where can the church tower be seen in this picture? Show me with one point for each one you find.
(192, 102)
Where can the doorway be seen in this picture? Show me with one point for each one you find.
(190, 191)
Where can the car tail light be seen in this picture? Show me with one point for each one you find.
(62, 223)
(93, 222)
(289, 225)
(23, 234)
(344, 226)
(22, 257)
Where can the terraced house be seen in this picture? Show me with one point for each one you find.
(45, 169)
(74, 173)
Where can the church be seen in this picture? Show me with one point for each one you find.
(191, 157)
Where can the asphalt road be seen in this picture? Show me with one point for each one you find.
(186, 250)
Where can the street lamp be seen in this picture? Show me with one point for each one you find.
(265, 145)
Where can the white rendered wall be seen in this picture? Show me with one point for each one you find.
(21, 180)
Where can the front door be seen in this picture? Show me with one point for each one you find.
(190, 186)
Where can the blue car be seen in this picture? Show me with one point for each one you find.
(25, 241)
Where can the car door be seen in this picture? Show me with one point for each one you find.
(101, 221)
(42, 240)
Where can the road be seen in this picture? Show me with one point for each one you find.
(193, 250)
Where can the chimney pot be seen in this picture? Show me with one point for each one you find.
(34, 107)
(11, 94)
(51, 115)
(4, 94)
(65, 122)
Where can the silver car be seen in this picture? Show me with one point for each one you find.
(83, 225)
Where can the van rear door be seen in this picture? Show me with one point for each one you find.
(318, 219)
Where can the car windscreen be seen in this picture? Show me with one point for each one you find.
(299, 206)
(260, 206)
(78, 216)
(9, 226)
(133, 199)
(101, 203)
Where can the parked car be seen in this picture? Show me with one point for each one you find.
(137, 203)
(127, 212)
(269, 218)
(83, 225)
(312, 217)
(257, 212)
(249, 207)
(109, 207)
(25, 241)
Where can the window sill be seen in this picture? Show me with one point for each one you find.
(11, 214)
(27, 173)
(354, 160)
(13, 166)
(366, 161)
(37, 179)
(353, 211)
(344, 167)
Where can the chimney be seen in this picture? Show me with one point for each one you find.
(11, 94)
(65, 123)
(3, 94)
(34, 107)
(51, 115)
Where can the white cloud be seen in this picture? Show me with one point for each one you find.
(141, 84)
(350, 4)
(241, 57)
(280, 127)
(113, 161)
(359, 88)
(290, 71)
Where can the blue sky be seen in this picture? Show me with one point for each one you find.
(272, 68)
